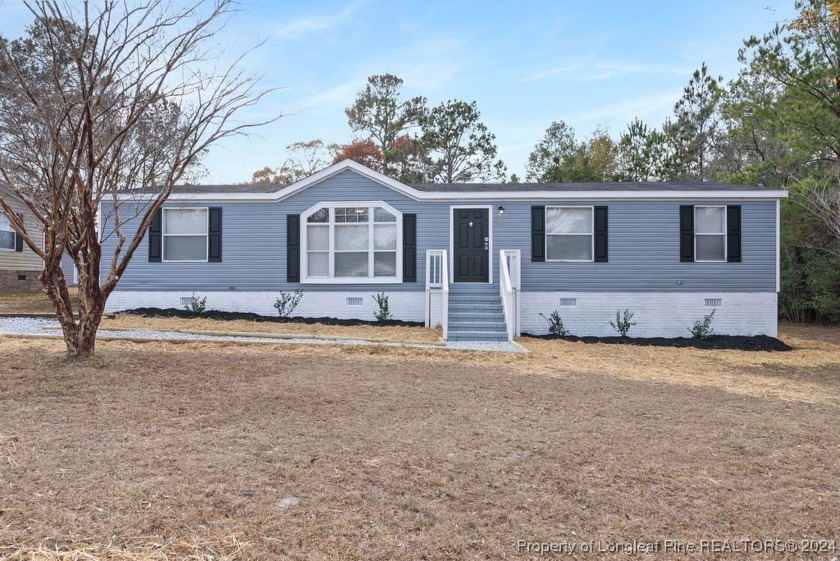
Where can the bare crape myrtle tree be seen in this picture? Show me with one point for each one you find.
(821, 197)
(99, 98)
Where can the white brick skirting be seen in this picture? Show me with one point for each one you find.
(659, 314)
(406, 306)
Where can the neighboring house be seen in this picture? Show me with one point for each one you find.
(20, 267)
(483, 260)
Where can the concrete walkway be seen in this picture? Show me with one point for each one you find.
(40, 327)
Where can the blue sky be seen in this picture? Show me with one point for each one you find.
(525, 63)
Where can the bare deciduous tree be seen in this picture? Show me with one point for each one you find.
(821, 198)
(303, 159)
(101, 98)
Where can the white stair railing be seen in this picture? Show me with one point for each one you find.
(444, 308)
(509, 288)
(437, 281)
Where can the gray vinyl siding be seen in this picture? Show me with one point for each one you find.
(644, 252)
(252, 234)
(432, 225)
(69, 269)
(643, 246)
(643, 242)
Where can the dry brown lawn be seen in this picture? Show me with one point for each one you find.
(373, 332)
(167, 450)
(25, 303)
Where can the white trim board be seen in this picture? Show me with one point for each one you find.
(12, 231)
(332, 279)
(163, 234)
(778, 246)
(513, 194)
(590, 234)
(724, 234)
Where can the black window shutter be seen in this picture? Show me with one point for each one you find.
(733, 233)
(214, 232)
(18, 237)
(687, 233)
(293, 248)
(538, 233)
(155, 237)
(601, 231)
(409, 248)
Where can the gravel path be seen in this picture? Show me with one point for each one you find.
(42, 327)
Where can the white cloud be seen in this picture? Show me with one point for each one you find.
(339, 95)
(517, 148)
(610, 70)
(550, 72)
(605, 70)
(317, 24)
(626, 109)
(428, 67)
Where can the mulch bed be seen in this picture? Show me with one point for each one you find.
(729, 342)
(232, 316)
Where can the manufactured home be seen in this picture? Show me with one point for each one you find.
(484, 261)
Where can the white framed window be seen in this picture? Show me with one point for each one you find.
(710, 233)
(7, 234)
(351, 243)
(569, 233)
(185, 234)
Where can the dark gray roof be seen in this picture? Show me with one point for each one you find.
(599, 186)
(270, 188)
(617, 186)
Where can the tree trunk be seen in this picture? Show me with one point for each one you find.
(385, 167)
(85, 340)
(79, 337)
(75, 132)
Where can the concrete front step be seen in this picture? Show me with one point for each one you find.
(476, 294)
(473, 301)
(476, 336)
(476, 315)
(477, 325)
(484, 289)
(462, 309)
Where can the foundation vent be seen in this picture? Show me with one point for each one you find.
(186, 300)
(568, 302)
(355, 301)
(714, 302)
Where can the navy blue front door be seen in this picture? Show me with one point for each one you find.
(471, 244)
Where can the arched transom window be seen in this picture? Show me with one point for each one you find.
(352, 243)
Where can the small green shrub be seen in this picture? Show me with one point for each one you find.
(555, 324)
(703, 328)
(623, 323)
(383, 314)
(287, 302)
(197, 305)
